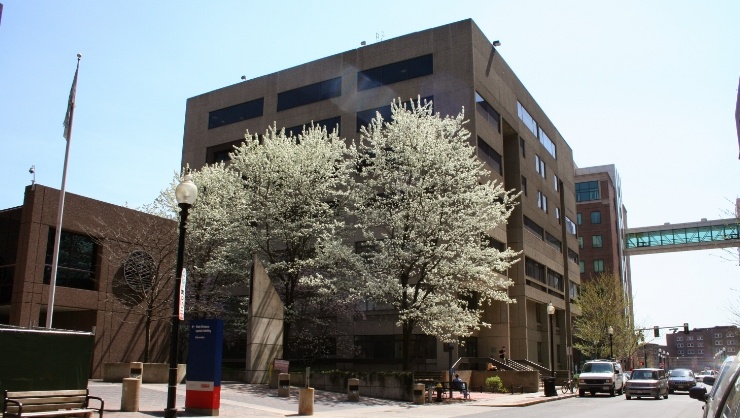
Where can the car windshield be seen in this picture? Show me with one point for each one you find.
(644, 375)
(680, 373)
(597, 368)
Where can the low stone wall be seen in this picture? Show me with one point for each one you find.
(151, 372)
(529, 380)
(376, 385)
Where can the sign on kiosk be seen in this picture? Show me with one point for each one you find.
(203, 390)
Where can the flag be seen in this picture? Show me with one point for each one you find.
(71, 104)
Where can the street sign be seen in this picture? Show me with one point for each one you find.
(181, 310)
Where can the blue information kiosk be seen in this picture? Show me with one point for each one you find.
(203, 389)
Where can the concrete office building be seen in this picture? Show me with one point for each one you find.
(94, 290)
(602, 223)
(455, 66)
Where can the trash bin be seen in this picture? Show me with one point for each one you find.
(284, 385)
(353, 390)
(549, 383)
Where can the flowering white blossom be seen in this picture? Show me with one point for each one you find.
(426, 207)
(292, 214)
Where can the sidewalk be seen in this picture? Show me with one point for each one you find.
(249, 400)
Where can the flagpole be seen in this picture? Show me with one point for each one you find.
(60, 210)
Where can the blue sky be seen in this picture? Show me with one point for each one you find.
(649, 86)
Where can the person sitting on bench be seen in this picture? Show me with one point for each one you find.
(458, 384)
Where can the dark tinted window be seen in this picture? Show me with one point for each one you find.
(76, 263)
(393, 73)
(310, 94)
(236, 113)
(489, 156)
(331, 124)
(587, 191)
(365, 116)
(491, 115)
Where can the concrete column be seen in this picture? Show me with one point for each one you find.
(130, 394)
(419, 393)
(284, 385)
(353, 390)
(305, 401)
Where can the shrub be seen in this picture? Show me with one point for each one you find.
(494, 384)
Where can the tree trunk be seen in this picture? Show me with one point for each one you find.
(147, 336)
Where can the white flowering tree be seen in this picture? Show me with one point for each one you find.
(293, 216)
(426, 207)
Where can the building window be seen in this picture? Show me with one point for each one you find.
(539, 166)
(489, 156)
(236, 113)
(556, 185)
(534, 228)
(730, 342)
(542, 201)
(691, 352)
(596, 241)
(312, 93)
(587, 191)
(76, 264)
(717, 335)
(679, 338)
(579, 219)
(680, 352)
(570, 226)
(522, 147)
(534, 270)
(331, 125)
(573, 290)
(557, 214)
(598, 266)
(690, 338)
(596, 217)
(679, 345)
(718, 342)
(547, 143)
(554, 242)
(525, 117)
(582, 265)
(700, 351)
(699, 337)
(555, 280)
(580, 243)
(492, 116)
(395, 72)
(524, 185)
(365, 116)
(730, 334)
(689, 344)
(700, 344)
(572, 255)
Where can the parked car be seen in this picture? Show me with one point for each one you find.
(626, 376)
(724, 398)
(603, 376)
(680, 379)
(648, 382)
(704, 373)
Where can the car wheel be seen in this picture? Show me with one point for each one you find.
(628, 397)
(621, 391)
(611, 391)
(593, 393)
(670, 390)
(657, 396)
(665, 396)
(638, 397)
(581, 393)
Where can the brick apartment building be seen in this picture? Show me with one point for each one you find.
(455, 66)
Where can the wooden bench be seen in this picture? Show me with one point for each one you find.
(50, 403)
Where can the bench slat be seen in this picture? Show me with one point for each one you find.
(45, 407)
(51, 399)
(58, 413)
(46, 393)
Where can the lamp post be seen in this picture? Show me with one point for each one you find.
(610, 330)
(667, 360)
(186, 193)
(550, 313)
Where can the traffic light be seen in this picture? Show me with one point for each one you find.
(656, 331)
(685, 327)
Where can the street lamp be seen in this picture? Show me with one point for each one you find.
(185, 193)
(550, 313)
(610, 330)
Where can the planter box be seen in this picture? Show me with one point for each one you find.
(151, 373)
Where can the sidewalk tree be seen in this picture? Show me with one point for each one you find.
(426, 207)
(602, 304)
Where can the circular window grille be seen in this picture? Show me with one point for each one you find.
(138, 271)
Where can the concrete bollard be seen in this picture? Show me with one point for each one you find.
(284, 385)
(430, 394)
(130, 394)
(419, 393)
(305, 401)
(353, 390)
